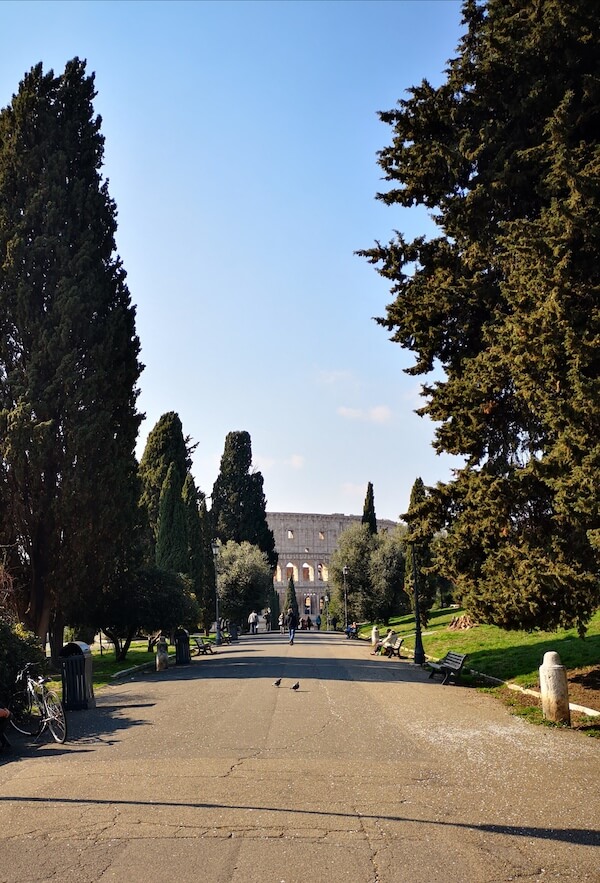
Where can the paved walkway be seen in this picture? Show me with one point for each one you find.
(369, 773)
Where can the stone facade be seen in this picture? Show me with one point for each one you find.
(305, 544)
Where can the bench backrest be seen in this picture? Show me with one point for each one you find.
(454, 660)
(397, 643)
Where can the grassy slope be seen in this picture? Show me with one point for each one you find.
(514, 656)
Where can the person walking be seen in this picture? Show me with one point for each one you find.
(318, 622)
(281, 622)
(291, 622)
(253, 622)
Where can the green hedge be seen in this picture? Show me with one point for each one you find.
(17, 646)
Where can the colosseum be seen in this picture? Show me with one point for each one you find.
(305, 544)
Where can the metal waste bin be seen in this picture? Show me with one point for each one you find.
(233, 631)
(76, 671)
(182, 647)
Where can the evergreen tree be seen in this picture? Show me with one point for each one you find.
(68, 354)
(355, 548)
(387, 569)
(418, 547)
(369, 517)
(238, 501)
(245, 580)
(206, 596)
(291, 599)
(197, 566)
(274, 605)
(505, 153)
(172, 542)
(165, 445)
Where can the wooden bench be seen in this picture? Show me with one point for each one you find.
(450, 666)
(203, 645)
(393, 649)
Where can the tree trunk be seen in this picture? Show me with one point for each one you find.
(56, 632)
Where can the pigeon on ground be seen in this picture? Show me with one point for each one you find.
(277, 682)
(295, 686)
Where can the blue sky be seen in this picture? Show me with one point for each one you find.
(241, 142)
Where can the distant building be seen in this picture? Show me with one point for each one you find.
(305, 544)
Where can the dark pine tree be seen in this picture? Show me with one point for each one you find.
(68, 355)
(238, 501)
(505, 155)
(196, 550)
(165, 445)
(369, 517)
(290, 597)
(206, 598)
(172, 552)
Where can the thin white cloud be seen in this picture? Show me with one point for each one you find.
(350, 413)
(330, 378)
(378, 414)
(263, 463)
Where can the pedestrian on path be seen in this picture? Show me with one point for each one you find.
(291, 622)
(253, 622)
(281, 622)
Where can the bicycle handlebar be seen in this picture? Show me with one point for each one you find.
(25, 669)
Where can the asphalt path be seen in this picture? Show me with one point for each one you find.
(368, 773)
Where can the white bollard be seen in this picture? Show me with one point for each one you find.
(554, 689)
(162, 654)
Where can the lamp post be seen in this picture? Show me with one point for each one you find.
(345, 574)
(419, 652)
(215, 551)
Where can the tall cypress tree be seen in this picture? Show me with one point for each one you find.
(165, 445)
(418, 552)
(172, 542)
(68, 353)
(238, 501)
(505, 299)
(291, 599)
(206, 598)
(369, 517)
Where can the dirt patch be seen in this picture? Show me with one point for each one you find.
(584, 689)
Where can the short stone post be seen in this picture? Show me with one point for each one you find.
(554, 689)
(162, 655)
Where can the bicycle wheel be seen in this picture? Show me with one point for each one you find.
(55, 716)
(25, 714)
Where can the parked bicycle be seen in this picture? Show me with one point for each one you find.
(34, 707)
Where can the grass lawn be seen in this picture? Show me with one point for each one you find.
(104, 665)
(514, 656)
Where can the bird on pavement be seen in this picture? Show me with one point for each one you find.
(295, 686)
(277, 682)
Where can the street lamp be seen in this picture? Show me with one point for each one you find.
(419, 652)
(345, 574)
(215, 550)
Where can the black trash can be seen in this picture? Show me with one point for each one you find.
(182, 647)
(233, 631)
(76, 671)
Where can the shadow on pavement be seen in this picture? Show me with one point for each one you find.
(579, 836)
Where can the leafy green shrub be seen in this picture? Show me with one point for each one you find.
(17, 646)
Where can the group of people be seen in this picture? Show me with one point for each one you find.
(381, 645)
